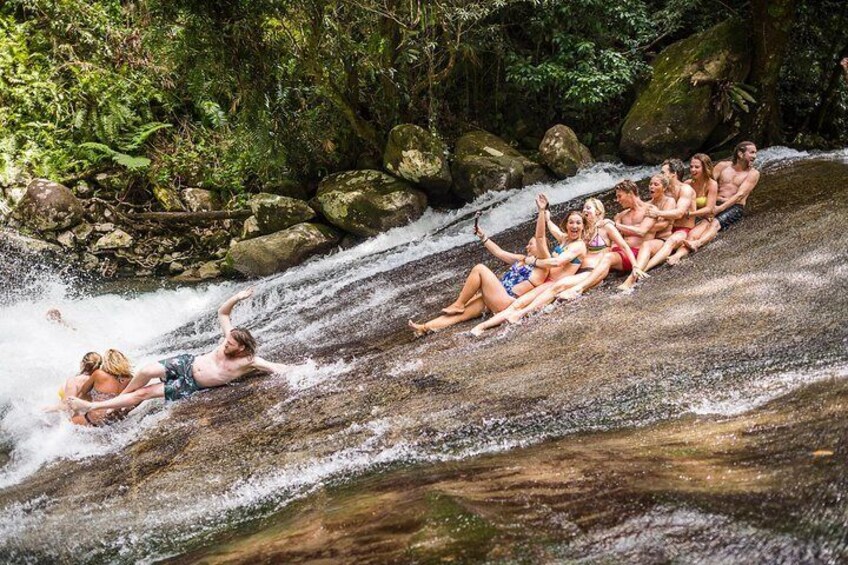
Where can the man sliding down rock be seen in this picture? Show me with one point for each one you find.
(183, 375)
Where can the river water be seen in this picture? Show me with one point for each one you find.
(367, 402)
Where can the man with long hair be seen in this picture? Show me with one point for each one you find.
(183, 375)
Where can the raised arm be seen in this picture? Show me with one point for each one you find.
(227, 308)
(494, 249)
(541, 220)
(263, 366)
(744, 190)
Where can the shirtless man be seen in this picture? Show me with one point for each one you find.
(634, 225)
(684, 196)
(183, 375)
(736, 179)
(677, 216)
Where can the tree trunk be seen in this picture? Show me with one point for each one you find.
(827, 102)
(771, 25)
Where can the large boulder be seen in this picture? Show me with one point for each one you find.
(368, 202)
(414, 154)
(269, 254)
(484, 162)
(275, 213)
(676, 114)
(562, 152)
(48, 206)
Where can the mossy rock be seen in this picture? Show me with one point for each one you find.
(168, 198)
(368, 202)
(484, 162)
(675, 115)
(48, 206)
(274, 213)
(562, 152)
(269, 254)
(414, 154)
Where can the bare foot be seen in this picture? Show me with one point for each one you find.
(693, 246)
(674, 260)
(420, 330)
(570, 294)
(454, 309)
(627, 285)
(514, 317)
(78, 404)
(477, 331)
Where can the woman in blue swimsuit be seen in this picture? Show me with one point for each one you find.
(484, 290)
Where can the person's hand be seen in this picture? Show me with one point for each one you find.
(478, 231)
(652, 211)
(640, 273)
(541, 202)
(246, 293)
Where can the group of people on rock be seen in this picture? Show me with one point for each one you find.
(106, 389)
(681, 217)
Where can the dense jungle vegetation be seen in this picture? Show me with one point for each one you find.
(236, 95)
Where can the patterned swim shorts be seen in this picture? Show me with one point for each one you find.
(179, 380)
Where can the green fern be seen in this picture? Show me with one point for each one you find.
(130, 162)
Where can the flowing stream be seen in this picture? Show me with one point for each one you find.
(365, 399)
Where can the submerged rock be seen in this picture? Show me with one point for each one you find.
(48, 206)
(275, 213)
(484, 162)
(368, 202)
(675, 114)
(414, 154)
(562, 152)
(269, 254)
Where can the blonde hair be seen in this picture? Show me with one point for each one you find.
(116, 364)
(590, 228)
(91, 361)
(663, 180)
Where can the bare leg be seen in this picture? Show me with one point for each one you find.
(670, 245)
(144, 376)
(645, 252)
(474, 309)
(473, 284)
(123, 400)
(701, 235)
(599, 273)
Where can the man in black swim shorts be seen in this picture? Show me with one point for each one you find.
(183, 375)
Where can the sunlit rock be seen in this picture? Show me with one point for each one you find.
(368, 202)
(414, 154)
(48, 206)
(562, 152)
(269, 254)
(274, 213)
